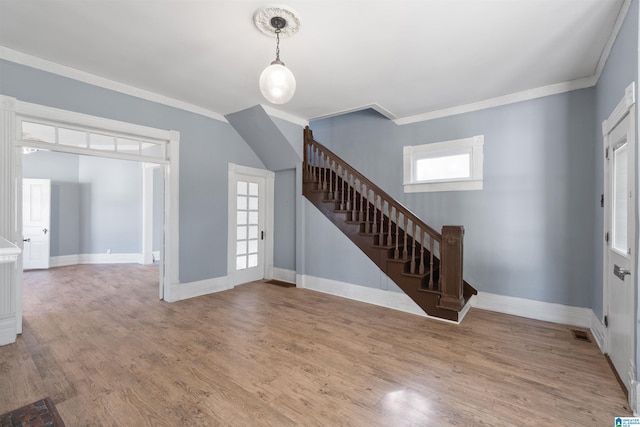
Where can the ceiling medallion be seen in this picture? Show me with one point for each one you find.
(262, 18)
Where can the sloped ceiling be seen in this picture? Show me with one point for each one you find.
(404, 58)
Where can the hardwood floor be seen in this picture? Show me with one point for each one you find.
(97, 340)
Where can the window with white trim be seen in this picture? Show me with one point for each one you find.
(444, 166)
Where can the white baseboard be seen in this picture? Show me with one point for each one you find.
(390, 299)
(284, 275)
(598, 331)
(550, 312)
(547, 311)
(64, 260)
(8, 330)
(110, 259)
(60, 261)
(201, 287)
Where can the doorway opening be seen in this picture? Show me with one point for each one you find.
(79, 209)
(34, 127)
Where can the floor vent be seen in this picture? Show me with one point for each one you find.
(580, 335)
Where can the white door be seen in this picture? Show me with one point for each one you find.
(620, 250)
(249, 205)
(36, 209)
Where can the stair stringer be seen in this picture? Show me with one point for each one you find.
(335, 257)
(411, 285)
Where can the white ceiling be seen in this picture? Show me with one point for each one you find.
(406, 58)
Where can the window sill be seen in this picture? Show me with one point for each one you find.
(442, 186)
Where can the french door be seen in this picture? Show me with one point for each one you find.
(250, 207)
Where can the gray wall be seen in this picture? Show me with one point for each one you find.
(95, 202)
(620, 70)
(158, 208)
(110, 206)
(62, 170)
(528, 233)
(206, 148)
(284, 244)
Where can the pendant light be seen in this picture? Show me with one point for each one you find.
(277, 82)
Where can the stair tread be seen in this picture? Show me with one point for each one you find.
(399, 260)
(430, 291)
(383, 246)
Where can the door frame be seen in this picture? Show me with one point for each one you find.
(626, 107)
(12, 111)
(269, 176)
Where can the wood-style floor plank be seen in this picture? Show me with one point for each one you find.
(97, 340)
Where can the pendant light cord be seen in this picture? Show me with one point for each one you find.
(278, 44)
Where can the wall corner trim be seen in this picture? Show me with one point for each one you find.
(8, 330)
(284, 275)
(598, 331)
(198, 288)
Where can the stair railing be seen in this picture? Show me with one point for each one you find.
(397, 227)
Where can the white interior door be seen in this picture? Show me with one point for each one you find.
(250, 219)
(36, 210)
(620, 251)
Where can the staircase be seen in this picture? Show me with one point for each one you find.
(425, 264)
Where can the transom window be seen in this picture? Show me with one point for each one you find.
(79, 140)
(444, 166)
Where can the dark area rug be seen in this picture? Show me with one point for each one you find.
(42, 413)
(281, 283)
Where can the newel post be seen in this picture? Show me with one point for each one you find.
(451, 264)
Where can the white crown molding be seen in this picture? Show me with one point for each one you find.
(42, 64)
(373, 106)
(624, 9)
(499, 101)
(273, 112)
(92, 79)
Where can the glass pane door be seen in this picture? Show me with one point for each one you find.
(247, 224)
(620, 198)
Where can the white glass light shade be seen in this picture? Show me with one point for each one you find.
(277, 83)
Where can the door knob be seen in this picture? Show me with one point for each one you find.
(26, 240)
(620, 272)
(44, 230)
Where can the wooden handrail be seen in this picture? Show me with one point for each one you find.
(308, 138)
(319, 162)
